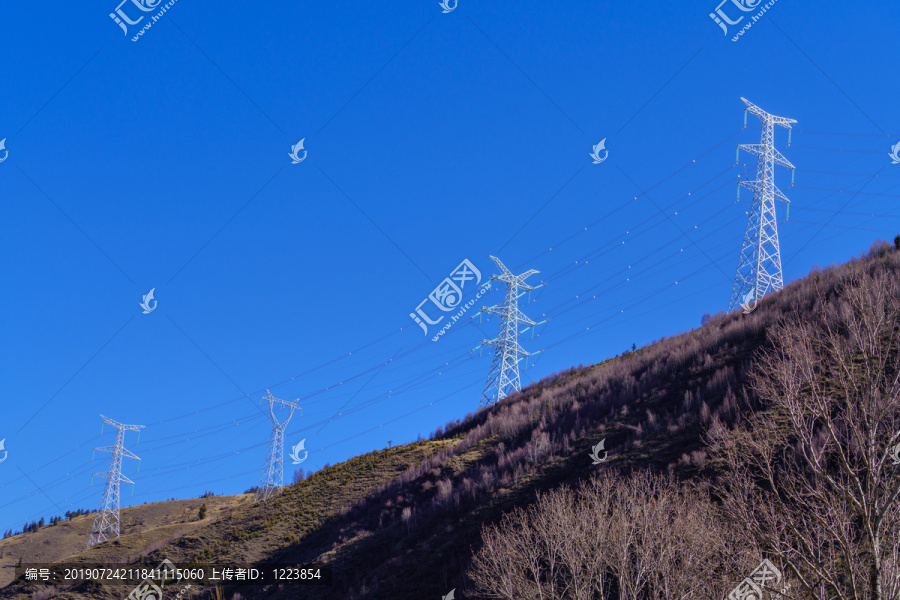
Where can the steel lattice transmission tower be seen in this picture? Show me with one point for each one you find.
(272, 477)
(759, 267)
(106, 525)
(504, 375)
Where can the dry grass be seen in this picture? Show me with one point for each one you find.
(145, 528)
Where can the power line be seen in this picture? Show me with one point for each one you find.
(397, 331)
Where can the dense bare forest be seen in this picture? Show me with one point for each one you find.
(807, 480)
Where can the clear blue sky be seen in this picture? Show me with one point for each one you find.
(431, 138)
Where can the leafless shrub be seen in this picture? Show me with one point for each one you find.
(704, 413)
(652, 423)
(406, 515)
(698, 458)
(538, 447)
(444, 487)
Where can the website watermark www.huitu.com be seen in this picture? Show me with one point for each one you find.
(447, 297)
(723, 20)
(123, 19)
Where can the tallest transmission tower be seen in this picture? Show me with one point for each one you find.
(759, 268)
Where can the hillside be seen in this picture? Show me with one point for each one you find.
(404, 523)
(155, 522)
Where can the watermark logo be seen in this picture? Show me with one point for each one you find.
(723, 20)
(895, 455)
(147, 299)
(6, 152)
(295, 452)
(5, 453)
(447, 297)
(596, 153)
(148, 590)
(895, 153)
(123, 20)
(749, 303)
(595, 452)
(766, 575)
(445, 4)
(295, 149)
(452, 594)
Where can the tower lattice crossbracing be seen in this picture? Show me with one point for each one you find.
(106, 525)
(504, 375)
(759, 267)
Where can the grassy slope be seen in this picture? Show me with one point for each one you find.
(141, 525)
(235, 530)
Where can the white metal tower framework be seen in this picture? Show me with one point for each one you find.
(106, 525)
(272, 477)
(759, 267)
(504, 376)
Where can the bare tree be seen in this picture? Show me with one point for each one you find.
(637, 538)
(811, 480)
(299, 475)
(406, 515)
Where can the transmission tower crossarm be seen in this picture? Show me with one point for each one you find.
(496, 307)
(780, 196)
(763, 115)
(532, 326)
(122, 478)
(753, 185)
(781, 160)
(492, 310)
(118, 425)
(521, 318)
(755, 149)
(126, 453)
(521, 280)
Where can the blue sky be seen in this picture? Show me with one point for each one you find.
(432, 137)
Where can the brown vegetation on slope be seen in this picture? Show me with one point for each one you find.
(806, 481)
(405, 523)
(812, 479)
(656, 407)
(142, 527)
(249, 533)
